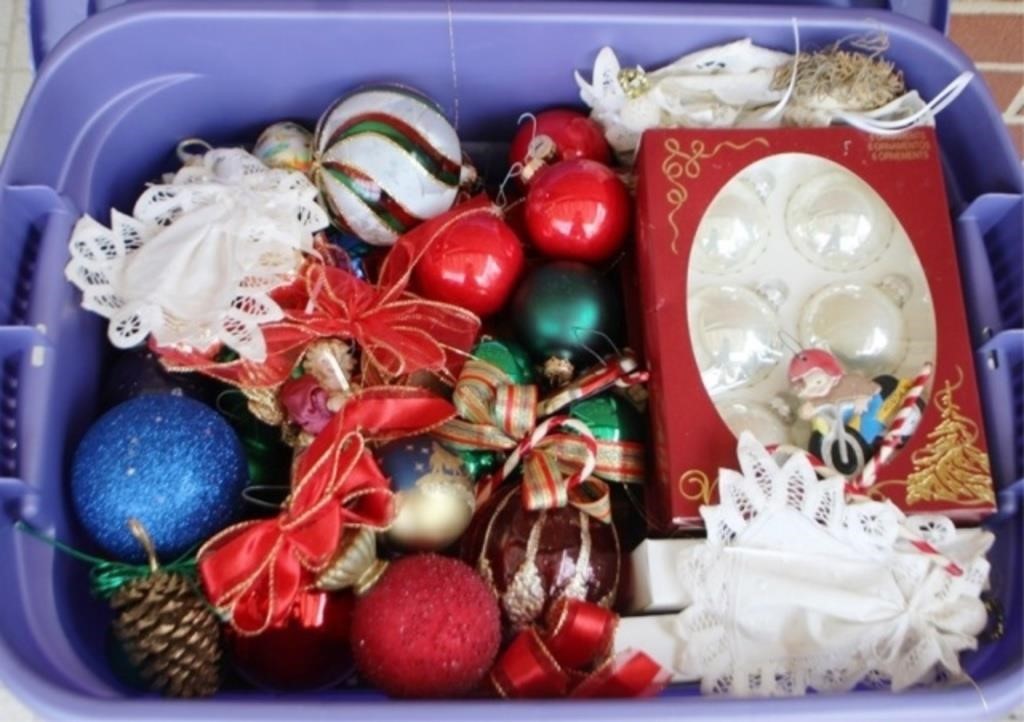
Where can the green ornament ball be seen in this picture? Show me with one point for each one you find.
(480, 463)
(508, 356)
(268, 457)
(610, 418)
(568, 311)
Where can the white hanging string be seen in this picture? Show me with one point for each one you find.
(516, 169)
(501, 198)
(892, 127)
(533, 121)
(779, 107)
(981, 694)
(455, 73)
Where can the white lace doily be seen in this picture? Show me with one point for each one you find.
(796, 589)
(196, 261)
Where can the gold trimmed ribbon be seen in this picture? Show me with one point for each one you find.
(561, 461)
(254, 570)
(571, 655)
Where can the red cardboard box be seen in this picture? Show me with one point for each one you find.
(944, 465)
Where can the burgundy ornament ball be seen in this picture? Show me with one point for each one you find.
(578, 210)
(428, 628)
(474, 263)
(529, 559)
(573, 134)
(310, 650)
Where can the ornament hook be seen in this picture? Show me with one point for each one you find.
(139, 532)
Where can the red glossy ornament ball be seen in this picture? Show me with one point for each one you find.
(474, 263)
(309, 650)
(574, 135)
(428, 628)
(577, 210)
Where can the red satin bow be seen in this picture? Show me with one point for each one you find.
(572, 657)
(397, 331)
(255, 570)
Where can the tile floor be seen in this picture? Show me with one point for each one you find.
(992, 31)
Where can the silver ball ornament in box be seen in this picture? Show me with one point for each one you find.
(735, 335)
(862, 325)
(434, 499)
(386, 159)
(733, 233)
(838, 222)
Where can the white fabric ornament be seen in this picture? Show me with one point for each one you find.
(742, 85)
(196, 261)
(797, 589)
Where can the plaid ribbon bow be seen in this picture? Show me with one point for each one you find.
(561, 461)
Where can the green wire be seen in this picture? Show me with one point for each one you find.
(108, 576)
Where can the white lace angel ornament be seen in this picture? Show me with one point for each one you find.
(195, 263)
(796, 589)
(740, 84)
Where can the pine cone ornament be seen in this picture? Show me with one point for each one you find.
(167, 630)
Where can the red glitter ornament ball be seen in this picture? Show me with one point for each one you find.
(428, 628)
(573, 134)
(474, 263)
(309, 650)
(577, 210)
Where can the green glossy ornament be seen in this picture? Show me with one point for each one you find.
(568, 311)
(480, 463)
(610, 418)
(511, 358)
(613, 418)
(268, 457)
(508, 356)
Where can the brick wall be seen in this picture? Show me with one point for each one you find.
(992, 33)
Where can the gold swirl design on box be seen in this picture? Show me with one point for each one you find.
(680, 165)
(694, 485)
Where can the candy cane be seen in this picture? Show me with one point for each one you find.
(915, 540)
(895, 432)
(485, 489)
(925, 548)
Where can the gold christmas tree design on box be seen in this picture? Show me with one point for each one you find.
(951, 467)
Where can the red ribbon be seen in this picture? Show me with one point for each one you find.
(255, 570)
(571, 657)
(397, 331)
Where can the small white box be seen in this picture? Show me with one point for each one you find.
(653, 576)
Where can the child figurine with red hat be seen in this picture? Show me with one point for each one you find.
(848, 412)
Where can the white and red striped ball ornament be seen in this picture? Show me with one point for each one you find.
(386, 159)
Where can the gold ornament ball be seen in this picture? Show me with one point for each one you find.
(434, 499)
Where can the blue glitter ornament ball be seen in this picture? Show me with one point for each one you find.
(170, 462)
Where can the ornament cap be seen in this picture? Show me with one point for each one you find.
(558, 371)
(356, 566)
(370, 576)
(541, 152)
(139, 532)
